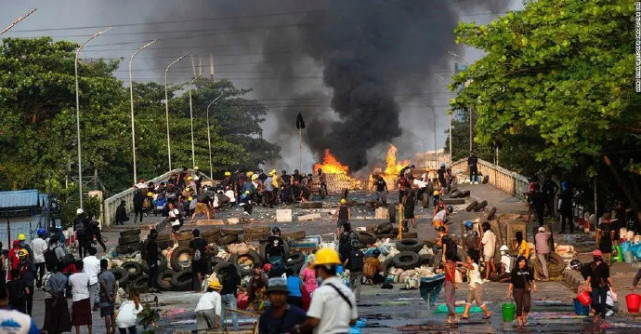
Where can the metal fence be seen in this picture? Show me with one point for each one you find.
(510, 182)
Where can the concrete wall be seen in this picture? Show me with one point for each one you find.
(510, 182)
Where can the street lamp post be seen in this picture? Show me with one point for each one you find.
(211, 166)
(131, 95)
(167, 106)
(191, 121)
(16, 21)
(78, 109)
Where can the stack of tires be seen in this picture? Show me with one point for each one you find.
(408, 258)
(129, 241)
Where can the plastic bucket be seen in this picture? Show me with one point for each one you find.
(580, 309)
(584, 298)
(617, 257)
(628, 257)
(633, 300)
(509, 310)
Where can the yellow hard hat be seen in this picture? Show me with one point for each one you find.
(189, 178)
(23, 253)
(214, 284)
(436, 193)
(325, 256)
(254, 177)
(227, 174)
(249, 174)
(247, 192)
(343, 201)
(190, 198)
(150, 194)
(273, 171)
(22, 237)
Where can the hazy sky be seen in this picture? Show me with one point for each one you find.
(181, 27)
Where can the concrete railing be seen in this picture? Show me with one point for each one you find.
(510, 182)
(111, 204)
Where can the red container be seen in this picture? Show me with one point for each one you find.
(633, 300)
(242, 299)
(584, 298)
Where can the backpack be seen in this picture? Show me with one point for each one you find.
(451, 251)
(50, 257)
(369, 270)
(356, 260)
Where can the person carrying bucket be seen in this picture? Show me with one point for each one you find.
(475, 284)
(598, 283)
(522, 284)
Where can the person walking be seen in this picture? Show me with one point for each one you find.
(280, 316)
(295, 288)
(231, 281)
(475, 287)
(381, 190)
(57, 318)
(355, 264)
(605, 236)
(199, 248)
(128, 313)
(17, 291)
(333, 307)
(537, 201)
(139, 201)
(95, 235)
(39, 246)
(81, 306)
(449, 289)
(343, 216)
(27, 272)
(522, 284)
(150, 255)
(550, 188)
(310, 283)
(409, 204)
(542, 241)
(209, 307)
(472, 241)
(121, 213)
(472, 162)
(565, 207)
(598, 284)
(91, 266)
(276, 252)
(108, 290)
(345, 245)
(489, 248)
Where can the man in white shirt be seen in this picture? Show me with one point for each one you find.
(92, 269)
(333, 306)
(81, 307)
(209, 307)
(489, 247)
(39, 247)
(506, 260)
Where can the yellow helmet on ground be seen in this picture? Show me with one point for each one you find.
(436, 193)
(326, 256)
(22, 237)
(343, 201)
(227, 174)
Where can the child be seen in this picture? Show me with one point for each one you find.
(128, 313)
(475, 290)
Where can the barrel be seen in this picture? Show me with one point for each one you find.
(580, 309)
(584, 298)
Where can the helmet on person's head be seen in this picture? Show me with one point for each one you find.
(254, 177)
(23, 253)
(190, 198)
(436, 193)
(276, 284)
(504, 248)
(597, 253)
(469, 224)
(249, 174)
(376, 253)
(450, 209)
(267, 267)
(575, 264)
(247, 192)
(296, 171)
(275, 230)
(227, 173)
(214, 283)
(80, 211)
(326, 256)
(42, 232)
(442, 164)
(343, 201)
(149, 194)
(541, 229)
(22, 237)
(355, 243)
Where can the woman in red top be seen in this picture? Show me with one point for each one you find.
(449, 290)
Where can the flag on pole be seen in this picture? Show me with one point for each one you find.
(300, 124)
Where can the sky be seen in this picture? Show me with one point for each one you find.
(245, 39)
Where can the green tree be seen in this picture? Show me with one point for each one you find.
(557, 76)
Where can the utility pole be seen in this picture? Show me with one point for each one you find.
(16, 21)
(191, 113)
(470, 113)
(211, 166)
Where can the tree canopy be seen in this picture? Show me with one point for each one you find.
(562, 73)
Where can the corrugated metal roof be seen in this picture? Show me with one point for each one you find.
(19, 199)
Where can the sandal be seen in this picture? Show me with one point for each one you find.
(464, 318)
(487, 316)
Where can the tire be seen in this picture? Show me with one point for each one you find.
(128, 239)
(164, 279)
(366, 238)
(464, 194)
(471, 206)
(387, 235)
(295, 258)
(480, 206)
(182, 280)
(162, 263)
(121, 275)
(406, 260)
(486, 179)
(134, 269)
(425, 200)
(252, 255)
(219, 267)
(227, 239)
(455, 194)
(384, 228)
(129, 233)
(177, 256)
(409, 235)
(391, 209)
(490, 213)
(296, 235)
(231, 231)
(214, 261)
(184, 235)
(211, 232)
(140, 284)
(425, 260)
(409, 245)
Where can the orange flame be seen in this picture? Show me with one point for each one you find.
(394, 167)
(331, 165)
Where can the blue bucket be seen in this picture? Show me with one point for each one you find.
(579, 309)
